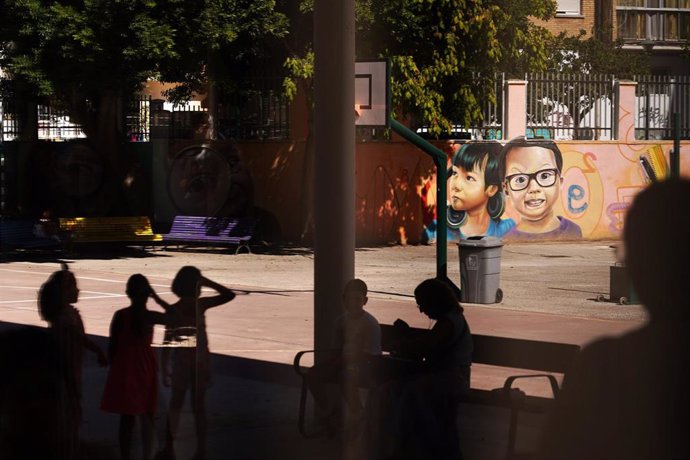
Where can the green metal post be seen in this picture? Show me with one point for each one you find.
(675, 153)
(440, 161)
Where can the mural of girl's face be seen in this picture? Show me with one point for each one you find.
(468, 191)
(532, 181)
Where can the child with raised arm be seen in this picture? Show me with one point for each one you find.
(131, 388)
(190, 369)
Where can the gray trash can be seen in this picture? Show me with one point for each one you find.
(480, 269)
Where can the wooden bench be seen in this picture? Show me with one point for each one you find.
(546, 358)
(136, 229)
(19, 234)
(212, 230)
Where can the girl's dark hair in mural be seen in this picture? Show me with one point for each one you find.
(470, 156)
(521, 141)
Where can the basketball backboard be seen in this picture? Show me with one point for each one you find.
(372, 93)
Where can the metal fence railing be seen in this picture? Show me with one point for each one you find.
(492, 124)
(658, 97)
(258, 114)
(55, 124)
(570, 106)
(9, 126)
(138, 119)
(559, 106)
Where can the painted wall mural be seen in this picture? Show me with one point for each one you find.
(539, 190)
(475, 197)
(542, 190)
(395, 188)
(532, 180)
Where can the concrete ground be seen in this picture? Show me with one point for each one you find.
(550, 293)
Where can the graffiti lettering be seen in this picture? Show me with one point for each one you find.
(576, 193)
(616, 212)
(654, 116)
(589, 159)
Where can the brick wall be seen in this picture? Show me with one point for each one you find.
(572, 24)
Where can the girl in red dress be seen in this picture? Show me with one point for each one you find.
(131, 388)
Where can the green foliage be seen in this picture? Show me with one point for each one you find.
(444, 53)
(75, 50)
(591, 55)
(297, 68)
(92, 56)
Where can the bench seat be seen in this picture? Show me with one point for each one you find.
(545, 358)
(212, 230)
(19, 234)
(136, 229)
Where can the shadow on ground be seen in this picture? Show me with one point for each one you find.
(101, 251)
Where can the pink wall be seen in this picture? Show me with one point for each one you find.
(393, 204)
(600, 181)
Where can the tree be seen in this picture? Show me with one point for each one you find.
(593, 55)
(445, 53)
(93, 56)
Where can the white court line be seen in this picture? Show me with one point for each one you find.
(18, 287)
(106, 296)
(99, 295)
(26, 271)
(78, 277)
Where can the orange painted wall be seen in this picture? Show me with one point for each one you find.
(600, 181)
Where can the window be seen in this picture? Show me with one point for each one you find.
(653, 20)
(568, 8)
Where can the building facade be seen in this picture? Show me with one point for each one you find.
(658, 27)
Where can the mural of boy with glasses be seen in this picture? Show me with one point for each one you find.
(531, 172)
(474, 192)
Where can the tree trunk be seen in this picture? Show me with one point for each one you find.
(307, 205)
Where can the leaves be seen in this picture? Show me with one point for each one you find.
(59, 47)
(590, 55)
(445, 53)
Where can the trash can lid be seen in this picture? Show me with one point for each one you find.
(480, 242)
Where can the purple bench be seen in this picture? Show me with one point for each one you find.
(211, 230)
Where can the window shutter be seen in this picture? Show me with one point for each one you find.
(568, 7)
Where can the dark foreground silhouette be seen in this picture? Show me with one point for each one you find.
(628, 397)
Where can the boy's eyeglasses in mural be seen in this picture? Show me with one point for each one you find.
(544, 177)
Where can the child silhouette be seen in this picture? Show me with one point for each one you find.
(190, 365)
(55, 300)
(131, 388)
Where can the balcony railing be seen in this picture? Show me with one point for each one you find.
(653, 25)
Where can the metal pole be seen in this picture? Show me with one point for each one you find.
(3, 184)
(675, 153)
(440, 161)
(334, 165)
